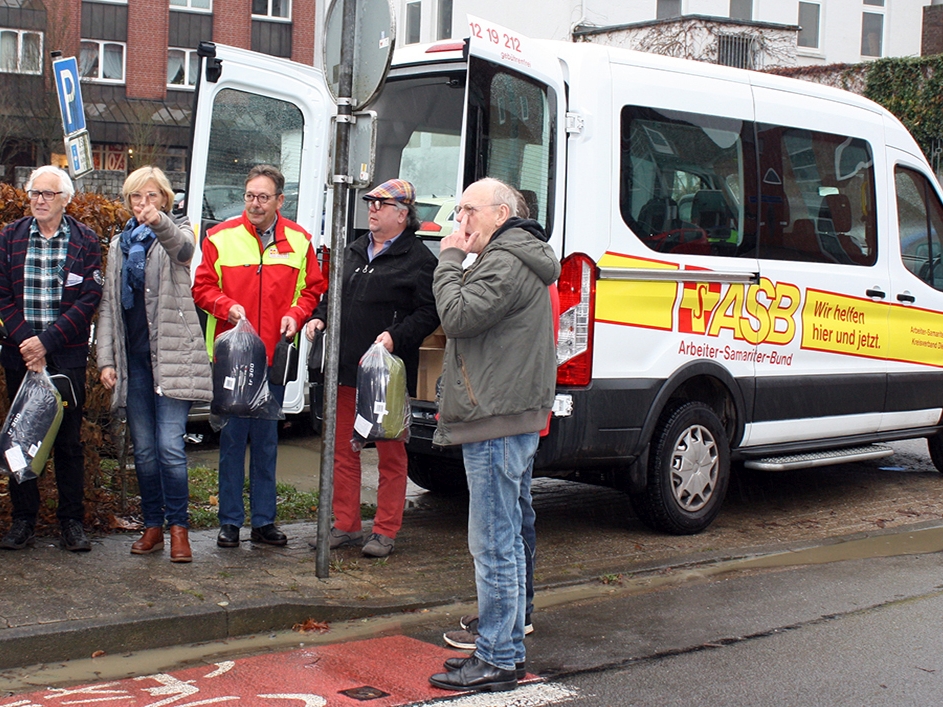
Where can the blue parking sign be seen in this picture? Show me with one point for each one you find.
(66, 72)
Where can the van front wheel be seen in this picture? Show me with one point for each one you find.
(688, 471)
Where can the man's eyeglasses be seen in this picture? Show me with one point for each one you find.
(470, 210)
(261, 198)
(137, 197)
(376, 204)
(45, 194)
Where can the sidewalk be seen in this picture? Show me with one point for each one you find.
(57, 605)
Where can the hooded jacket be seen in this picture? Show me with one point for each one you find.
(499, 377)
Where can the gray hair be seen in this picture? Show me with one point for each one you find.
(505, 194)
(65, 182)
(412, 217)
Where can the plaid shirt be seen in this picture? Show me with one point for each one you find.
(42, 276)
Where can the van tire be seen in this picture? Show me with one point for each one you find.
(439, 475)
(687, 434)
(935, 445)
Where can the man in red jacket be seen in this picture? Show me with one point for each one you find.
(260, 266)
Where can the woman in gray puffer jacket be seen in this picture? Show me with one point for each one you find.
(151, 353)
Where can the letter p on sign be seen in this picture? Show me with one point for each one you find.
(66, 72)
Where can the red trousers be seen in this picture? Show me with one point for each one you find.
(391, 493)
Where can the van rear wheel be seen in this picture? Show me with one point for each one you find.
(935, 445)
(688, 471)
(439, 475)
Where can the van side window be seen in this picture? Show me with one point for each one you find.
(816, 196)
(920, 223)
(512, 134)
(682, 182)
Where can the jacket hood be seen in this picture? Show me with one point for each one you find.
(528, 224)
(526, 240)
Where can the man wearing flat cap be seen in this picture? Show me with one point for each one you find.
(387, 299)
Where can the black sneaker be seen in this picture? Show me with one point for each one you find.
(73, 536)
(19, 536)
(469, 623)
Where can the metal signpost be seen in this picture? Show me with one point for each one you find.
(78, 146)
(359, 39)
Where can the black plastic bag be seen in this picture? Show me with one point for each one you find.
(30, 429)
(240, 377)
(383, 409)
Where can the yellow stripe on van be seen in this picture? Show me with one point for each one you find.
(643, 304)
(916, 336)
(845, 325)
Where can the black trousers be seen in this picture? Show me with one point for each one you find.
(68, 455)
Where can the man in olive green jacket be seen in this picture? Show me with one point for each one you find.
(498, 386)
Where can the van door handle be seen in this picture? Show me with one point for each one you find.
(906, 298)
(875, 292)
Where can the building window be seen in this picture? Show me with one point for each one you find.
(102, 61)
(872, 34)
(809, 25)
(444, 17)
(280, 9)
(193, 4)
(735, 50)
(741, 9)
(413, 22)
(21, 52)
(877, 3)
(182, 67)
(667, 9)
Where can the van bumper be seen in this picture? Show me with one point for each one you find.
(601, 432)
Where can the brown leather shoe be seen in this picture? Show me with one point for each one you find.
(180, 544)
(151, 541)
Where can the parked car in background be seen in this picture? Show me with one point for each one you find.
(438, 219)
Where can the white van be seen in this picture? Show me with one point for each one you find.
(751, 264)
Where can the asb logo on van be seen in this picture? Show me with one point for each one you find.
(767, 312)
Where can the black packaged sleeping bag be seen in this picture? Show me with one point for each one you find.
(240, 376)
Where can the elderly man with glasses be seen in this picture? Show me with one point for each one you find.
(387, 299)
(498, 387)
(260, 266)
(50, 286)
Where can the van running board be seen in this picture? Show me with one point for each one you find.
(826, 458)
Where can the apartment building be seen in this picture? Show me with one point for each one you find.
(748, 33)
(137, 59)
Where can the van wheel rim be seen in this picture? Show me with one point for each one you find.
(694, 468)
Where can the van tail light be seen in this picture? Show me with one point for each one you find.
(577, 289)
(430, 226)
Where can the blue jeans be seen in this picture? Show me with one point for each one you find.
(157, 425)
(495, 470)
(528, 534)
(262, 438)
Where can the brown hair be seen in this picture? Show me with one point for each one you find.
(270, 171)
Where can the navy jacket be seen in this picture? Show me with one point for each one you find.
(393, 293)
(66, 341)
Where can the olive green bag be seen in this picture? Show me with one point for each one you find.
(30, 429)
(383, 407)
